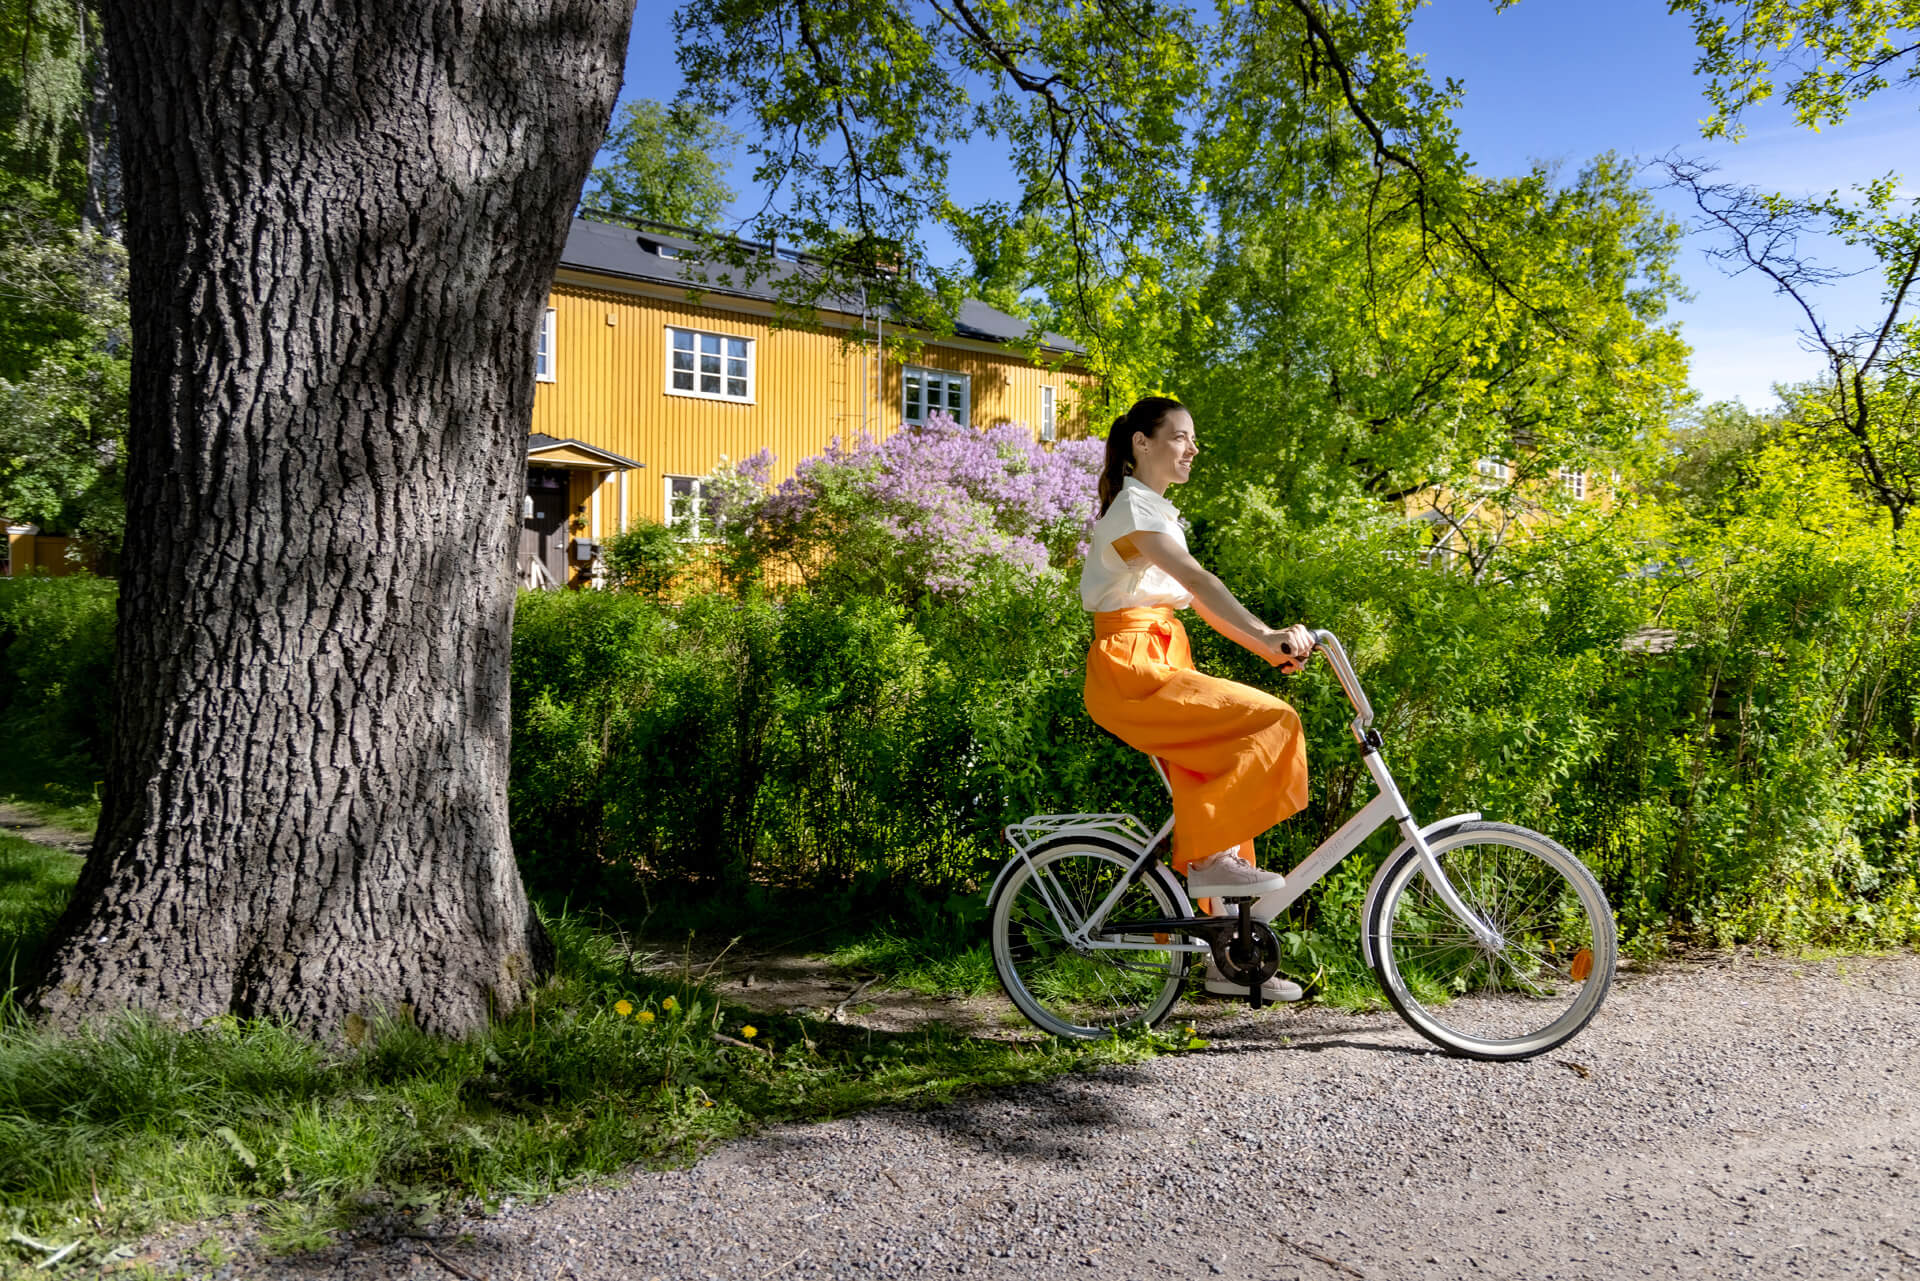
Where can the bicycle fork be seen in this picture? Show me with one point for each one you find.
(1483, 932)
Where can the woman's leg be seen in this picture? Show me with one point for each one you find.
(1236, 760)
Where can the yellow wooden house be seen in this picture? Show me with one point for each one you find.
(652, 371)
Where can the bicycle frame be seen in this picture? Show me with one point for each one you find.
(1387, 806)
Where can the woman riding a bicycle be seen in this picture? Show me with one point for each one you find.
(1234, 756)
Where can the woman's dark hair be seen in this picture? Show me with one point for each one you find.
(1145, 417)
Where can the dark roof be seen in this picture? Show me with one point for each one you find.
(674, 260)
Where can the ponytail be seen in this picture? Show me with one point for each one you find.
(1119, 462)
(1146, 417)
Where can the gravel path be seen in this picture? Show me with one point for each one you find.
(1755, 1118)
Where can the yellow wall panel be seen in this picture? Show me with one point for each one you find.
(610, 389)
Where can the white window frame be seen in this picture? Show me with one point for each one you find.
(1492, 468)
(925, 376)
(1574, 481)
(543, 362)
(725, 374)
(1049, 413)
(693, 513)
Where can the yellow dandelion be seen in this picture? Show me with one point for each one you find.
(645, 1016)
(669, 1005)
(749, 1031)
(623, 1008)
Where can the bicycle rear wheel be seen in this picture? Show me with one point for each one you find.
(1538, 987)
(1076, 991)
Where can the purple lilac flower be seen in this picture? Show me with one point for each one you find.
(948, 500)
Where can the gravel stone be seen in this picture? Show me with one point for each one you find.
(1731, 1118)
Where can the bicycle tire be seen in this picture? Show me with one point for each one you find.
(1550, 974)
(1074, 992)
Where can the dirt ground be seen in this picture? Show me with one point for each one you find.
(20, 822)
(790, 980)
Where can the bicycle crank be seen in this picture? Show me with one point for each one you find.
(1244, 950)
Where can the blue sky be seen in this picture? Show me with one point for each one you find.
(1564, 80)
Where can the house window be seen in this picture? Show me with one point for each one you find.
(931, 389)
(686, 507)
(543, 348)
(1046, 413)
(1494, 469)
(1574, 481)
(717, 366)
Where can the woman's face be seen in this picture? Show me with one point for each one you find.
(1166, 457)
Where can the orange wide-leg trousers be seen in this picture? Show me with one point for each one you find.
(1235, 756)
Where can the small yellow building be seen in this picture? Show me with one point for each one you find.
(649, 376)
(27, 551)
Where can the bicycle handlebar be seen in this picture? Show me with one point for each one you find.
(1329, 644)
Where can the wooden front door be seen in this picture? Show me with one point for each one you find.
(543, 532)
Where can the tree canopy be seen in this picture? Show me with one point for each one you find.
(856, 110)
(63, 312)
(1829, 56)
(668, 164)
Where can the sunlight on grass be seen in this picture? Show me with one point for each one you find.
(930, 967)
(34, 884)
(60, 797)
(107, 1134)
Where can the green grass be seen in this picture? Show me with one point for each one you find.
(34, 884)
(932, 967)
(106, 1134)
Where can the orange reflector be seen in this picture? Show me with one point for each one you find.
(1582, 965)
(1163, 938)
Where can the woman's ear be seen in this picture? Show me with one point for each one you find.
(1140, 439)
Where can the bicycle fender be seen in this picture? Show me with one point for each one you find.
(1098, 835)
(1427, 833)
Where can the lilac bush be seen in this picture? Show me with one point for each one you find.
(931, 510)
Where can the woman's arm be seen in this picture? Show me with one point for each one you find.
(1286, 649)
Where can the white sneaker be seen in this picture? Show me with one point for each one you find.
(1226, 874)
(1274, 989)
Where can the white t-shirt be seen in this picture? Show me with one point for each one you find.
(1109, 582)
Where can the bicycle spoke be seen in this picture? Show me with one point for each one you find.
(1508, 1001)
(1072, 990)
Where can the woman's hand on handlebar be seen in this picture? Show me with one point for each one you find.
(1290, 648)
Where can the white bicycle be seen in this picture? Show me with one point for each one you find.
(1491, 940)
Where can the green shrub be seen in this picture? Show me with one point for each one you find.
(648, 558)
(56, 669)
(1751, 780)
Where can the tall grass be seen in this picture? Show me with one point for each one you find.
(35, 881)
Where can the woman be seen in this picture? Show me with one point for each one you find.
(1234, 755)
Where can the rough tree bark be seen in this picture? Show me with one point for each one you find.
(342, 219)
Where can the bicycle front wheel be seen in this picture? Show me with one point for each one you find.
(1533, 990)
(1070, 989)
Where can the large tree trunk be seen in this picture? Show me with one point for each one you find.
(343, 218)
